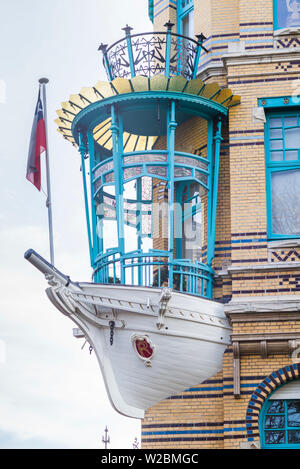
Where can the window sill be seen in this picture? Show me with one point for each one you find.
(287, 31)
(284, 243)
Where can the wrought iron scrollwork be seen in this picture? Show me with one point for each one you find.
(149, 54)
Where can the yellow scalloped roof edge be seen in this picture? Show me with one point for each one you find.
(104, 90)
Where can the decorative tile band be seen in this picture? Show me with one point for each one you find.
(262, 80)
(289, 255)
(289, 42)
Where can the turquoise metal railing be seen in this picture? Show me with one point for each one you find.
(153, 53)
(153, 269)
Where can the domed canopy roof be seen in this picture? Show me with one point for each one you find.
(209, 99)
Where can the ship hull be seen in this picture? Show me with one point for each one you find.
(150, 343)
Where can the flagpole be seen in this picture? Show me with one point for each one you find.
(43, 82)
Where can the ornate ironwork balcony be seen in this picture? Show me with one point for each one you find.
(153, 53)
(151, 215)
(154, 269)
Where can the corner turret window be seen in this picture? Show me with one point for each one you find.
(286, 14)
(283, 174)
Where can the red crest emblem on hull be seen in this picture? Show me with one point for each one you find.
(143, 347)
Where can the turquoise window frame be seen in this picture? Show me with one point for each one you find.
(262, 428)
(183, 11)
(151, 10)
(275, 15)
(290, 109)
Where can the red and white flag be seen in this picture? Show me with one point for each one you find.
(37, 146)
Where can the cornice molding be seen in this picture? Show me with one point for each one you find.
(263, 304)
(269, 267)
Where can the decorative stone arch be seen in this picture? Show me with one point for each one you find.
(263, 391)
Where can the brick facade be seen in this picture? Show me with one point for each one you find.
(258, 279)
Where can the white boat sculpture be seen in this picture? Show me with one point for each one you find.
(151, 343)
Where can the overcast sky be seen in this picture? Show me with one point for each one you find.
(51, 392)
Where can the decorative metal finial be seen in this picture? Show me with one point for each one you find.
(169, 25)
(102, 47)
(127, 29)
(200, 37)
(43, 81)
(106, 439)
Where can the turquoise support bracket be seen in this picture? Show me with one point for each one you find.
(128, 30)
(83, 150)
(169, 27)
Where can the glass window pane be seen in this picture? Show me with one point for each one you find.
(276, 407)
(274, 421)
(276, 133)
(274, 437)
(289, 121)
(158, 170)
(293, 414)
(294, 436)
(292, 138)
(291, 155)
(286, 202)
(276, 144)
(288, 13)
(276, 122)
(276, 156)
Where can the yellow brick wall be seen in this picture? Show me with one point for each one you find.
(219, 418)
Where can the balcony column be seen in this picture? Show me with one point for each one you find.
(97, 238)
(117, 138)
(214, 192)
(139, 208)
(171, 126)
(169, 27)
(83, 153)
(103, 49)
(128, 30)
(179, 232)
(200, 39)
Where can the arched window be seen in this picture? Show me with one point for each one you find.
(280, 418)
